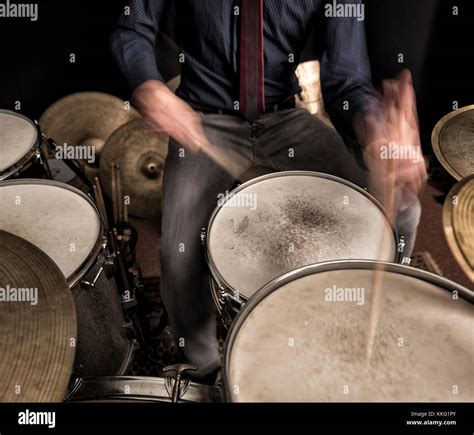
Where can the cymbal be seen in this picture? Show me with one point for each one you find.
(86, 118)
(453, 142)
(140, 152)
(458, 223)
(35, 344)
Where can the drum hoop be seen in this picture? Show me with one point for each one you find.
(330, 266)
(212, 267)
(30, 155)
(101, 242)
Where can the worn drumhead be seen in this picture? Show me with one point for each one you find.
(298, 342)
(280, 222)
(453, 139)
(17, 136)
(56, 218)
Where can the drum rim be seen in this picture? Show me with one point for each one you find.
(99, 246)
(329, 266)
(438, 148)
(448, 209)
(17, 167)
(216, 275)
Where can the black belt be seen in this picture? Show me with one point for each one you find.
(288, 103)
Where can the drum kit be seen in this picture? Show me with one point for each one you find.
(295, 261)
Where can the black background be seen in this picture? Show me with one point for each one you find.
(146, 418)
(36, 71)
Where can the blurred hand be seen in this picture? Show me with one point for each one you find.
(170, 115)
(392, 174)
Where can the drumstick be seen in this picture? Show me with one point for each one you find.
(114, 194)
(377, 284)
(223, 158)
(219, 158)
(125, 212)
(99, 197)
(119, 193)
(229, 160)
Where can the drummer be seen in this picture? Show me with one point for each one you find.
(235, 108)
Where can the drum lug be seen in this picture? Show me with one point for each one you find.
(176, 384)
(226, 317)
(109, 266)
(73, 388)
(203, 236)
(129, 330)
(231, 305)
(401, 244)
(89, 285)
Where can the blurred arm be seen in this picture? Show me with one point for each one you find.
(133, 41)
(346, 78)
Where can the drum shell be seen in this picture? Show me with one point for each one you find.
(139, 390)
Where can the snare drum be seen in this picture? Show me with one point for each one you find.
(303, 338)
(280, 222)
(65, 224)
(20, 146)
(140, 389)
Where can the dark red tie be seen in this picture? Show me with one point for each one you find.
(252, 100)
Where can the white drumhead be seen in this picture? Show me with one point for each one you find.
(286, 221)
(62, 223)
(295, 345)
(17, 137)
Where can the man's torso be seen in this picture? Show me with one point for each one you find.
(208, 34)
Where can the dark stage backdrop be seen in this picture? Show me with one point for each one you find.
(35, 67)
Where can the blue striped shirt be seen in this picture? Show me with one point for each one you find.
(208, 36)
